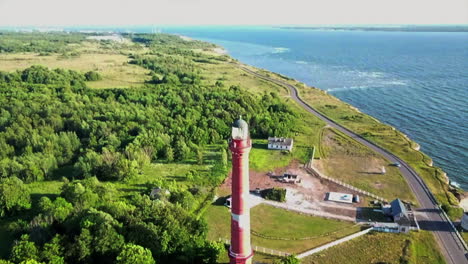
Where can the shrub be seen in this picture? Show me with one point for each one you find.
(275, 194)
(291, 259)
(452, 211)
(92, 76)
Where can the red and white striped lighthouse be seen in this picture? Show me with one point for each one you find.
(240, 144)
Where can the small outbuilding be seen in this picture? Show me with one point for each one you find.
(290, 178)
(340, 197)
(280, 143)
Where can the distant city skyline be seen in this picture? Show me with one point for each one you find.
(223, 12)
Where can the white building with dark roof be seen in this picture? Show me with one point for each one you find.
(402, 215)
(280, 143)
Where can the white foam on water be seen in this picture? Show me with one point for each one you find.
(362, 80)
(348, 88)
(366, 74)
(455, 184)
(280, 50)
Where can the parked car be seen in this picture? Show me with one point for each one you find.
(396, 164)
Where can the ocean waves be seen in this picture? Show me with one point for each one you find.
(361, 80)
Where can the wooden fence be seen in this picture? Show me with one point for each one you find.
(263, 250)
(308, 166)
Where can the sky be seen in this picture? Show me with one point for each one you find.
(230, 12)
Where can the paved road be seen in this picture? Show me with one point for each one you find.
(451, 246)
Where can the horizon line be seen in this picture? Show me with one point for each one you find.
(237, 25)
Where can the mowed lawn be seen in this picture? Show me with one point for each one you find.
(263, 159)
(269, 223)
(415, 247)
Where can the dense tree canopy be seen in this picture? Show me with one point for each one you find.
(37, 42)
(51, 121)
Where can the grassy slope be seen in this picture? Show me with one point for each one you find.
(369, 249)
(351, 162)
(377, 132)
(281, 223)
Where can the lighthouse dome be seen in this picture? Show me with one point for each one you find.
(240, 123)
(240, 129)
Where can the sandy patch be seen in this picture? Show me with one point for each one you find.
(464, 204)
(220, 51)
(186, 38)
(116, 38)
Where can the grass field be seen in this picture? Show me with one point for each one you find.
(351, 162)
(269, 223)
(263, 159)
(112, 65)
(416, 247)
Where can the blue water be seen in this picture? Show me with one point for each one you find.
(415, 81)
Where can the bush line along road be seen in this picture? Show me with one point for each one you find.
(451, 245)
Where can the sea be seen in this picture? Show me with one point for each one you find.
(414, 81)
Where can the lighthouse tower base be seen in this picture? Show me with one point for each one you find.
(238, 259)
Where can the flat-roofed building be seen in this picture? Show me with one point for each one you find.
(340, 197)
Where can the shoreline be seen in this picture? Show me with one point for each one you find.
(414, 145)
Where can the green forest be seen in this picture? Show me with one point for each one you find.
(53, 127)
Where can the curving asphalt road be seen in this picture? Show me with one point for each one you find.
(434, 220)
